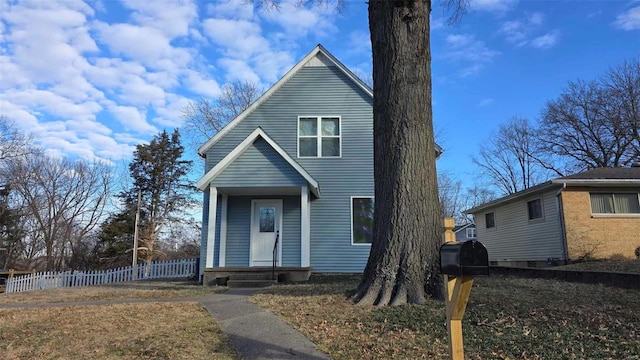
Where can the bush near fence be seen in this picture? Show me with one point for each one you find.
(183, 268)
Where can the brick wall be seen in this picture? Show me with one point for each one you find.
(597, 236)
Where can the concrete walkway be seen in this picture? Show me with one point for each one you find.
(257, 334)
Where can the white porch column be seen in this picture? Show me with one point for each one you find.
(223, 230)
(211, 233)
(305, 227)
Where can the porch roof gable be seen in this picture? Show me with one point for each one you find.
(242, 147)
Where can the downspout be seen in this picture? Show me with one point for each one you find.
(563, 232)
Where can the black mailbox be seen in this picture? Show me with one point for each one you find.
(468, 258)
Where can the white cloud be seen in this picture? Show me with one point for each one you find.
(466, 50)
(239, 69)
(485, 102)
(526, 31)
(546, 41)
(197, 83)
(172, 17)
(360, 42)
(240, 38)
(131, 118)
(629, 20)
(496, 6)
(299, 21)
(233, 9)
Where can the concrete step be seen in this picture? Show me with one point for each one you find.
(251, 276)
(250, 283)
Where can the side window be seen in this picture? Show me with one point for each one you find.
(361, 220)
(534, 208)
(615, 203)
(490, 220)
(471, 233)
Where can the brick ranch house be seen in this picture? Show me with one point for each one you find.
(593, 214)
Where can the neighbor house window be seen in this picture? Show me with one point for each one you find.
(471, 233)
(319, 136)
(490, 220)
(615, 203)
(361, 220)
(534, 207)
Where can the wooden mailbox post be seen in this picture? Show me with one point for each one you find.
(459, 262)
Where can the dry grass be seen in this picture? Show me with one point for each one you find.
(133, 290)
(507, 318)
(629, 266)
(120, 331)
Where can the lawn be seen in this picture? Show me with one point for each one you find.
(153, 330)
(615, 265)
(131, 290)
(507, 318)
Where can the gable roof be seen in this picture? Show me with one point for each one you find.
(459, 228)
(600, 177)
(318, 50)
(242, 147)
(610, 175)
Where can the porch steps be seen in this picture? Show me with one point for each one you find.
(235, 277)
(250, 283)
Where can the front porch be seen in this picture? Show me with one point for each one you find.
(254, 276)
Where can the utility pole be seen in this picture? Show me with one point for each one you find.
(135, 239)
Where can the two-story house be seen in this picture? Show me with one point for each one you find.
(296, 166)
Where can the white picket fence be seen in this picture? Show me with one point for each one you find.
(183, 268)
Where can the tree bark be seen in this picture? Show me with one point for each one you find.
(403, 263)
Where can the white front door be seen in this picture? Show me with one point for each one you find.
(266, 224)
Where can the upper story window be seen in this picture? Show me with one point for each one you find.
(471, 233)
(319, 136)
(615, 203)
(534, 208)
(490, 220)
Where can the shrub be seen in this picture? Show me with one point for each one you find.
(638, 252)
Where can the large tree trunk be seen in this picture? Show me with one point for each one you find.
(403, 264)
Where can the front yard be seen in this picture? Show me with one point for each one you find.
(507, 318)
(149, 330)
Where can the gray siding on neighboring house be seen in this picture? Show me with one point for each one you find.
(259, 165)
(239, 229)
(321, 91)
(516, 238)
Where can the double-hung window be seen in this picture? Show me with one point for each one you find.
(319, 136)
(615, 203)
(471, 233)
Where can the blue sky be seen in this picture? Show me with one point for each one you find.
(93, 79)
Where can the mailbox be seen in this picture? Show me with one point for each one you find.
(467, 259)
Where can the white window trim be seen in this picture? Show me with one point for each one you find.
(351, 217)
(614, 214)
(475, 232)
(319, 136)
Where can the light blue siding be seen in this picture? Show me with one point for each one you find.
(239, 229)
(322, 91)
(259, 165)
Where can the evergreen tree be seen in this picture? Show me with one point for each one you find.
(160, 175)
